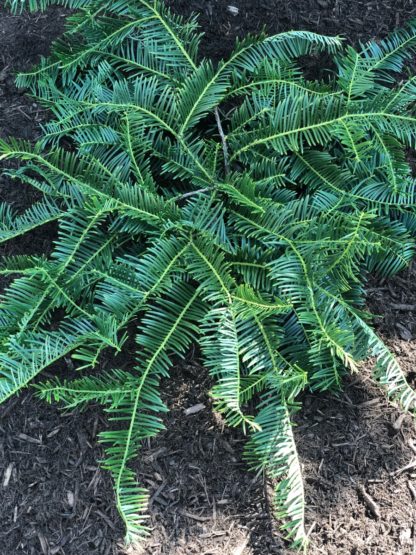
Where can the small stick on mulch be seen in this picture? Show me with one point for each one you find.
(414, 533)
(198, 518)
(369, 501)
(403, 307)
(412, 445)
(194, 409)
(412, 490)
(409, 466)
(398, 423)
(7, 475)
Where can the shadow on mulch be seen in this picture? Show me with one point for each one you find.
(54, 497)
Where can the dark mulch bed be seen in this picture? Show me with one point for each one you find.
(357, 20)
(56, 500)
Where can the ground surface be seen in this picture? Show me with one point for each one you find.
(54, 499)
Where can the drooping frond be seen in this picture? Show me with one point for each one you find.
(387, 370)
(273, 450)
(168, 328)
(222, 355)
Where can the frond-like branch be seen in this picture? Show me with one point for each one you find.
(273, 450)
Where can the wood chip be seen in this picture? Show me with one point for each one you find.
(54, 432)
(412, 445)
(404, 332)
(369, 501)
(412, 490)
(398, 423)
(43, 543)
(403, 307)
(194, 410)
(233, 10)
(29, 439)
(405, 536)
(239, 550)
(71, 498)
(368, 403)
(196, 517)
(105, 518)
(8, 474)
(409, 466)
(213, 534)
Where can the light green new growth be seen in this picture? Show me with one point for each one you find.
(237, 204)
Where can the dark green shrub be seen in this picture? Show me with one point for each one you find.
(239, 205)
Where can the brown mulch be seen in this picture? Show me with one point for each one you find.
(356, 20)
(54, 497)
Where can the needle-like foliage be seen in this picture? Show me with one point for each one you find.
(239, 205)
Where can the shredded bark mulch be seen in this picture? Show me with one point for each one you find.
(356, 20)
(357, 451)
